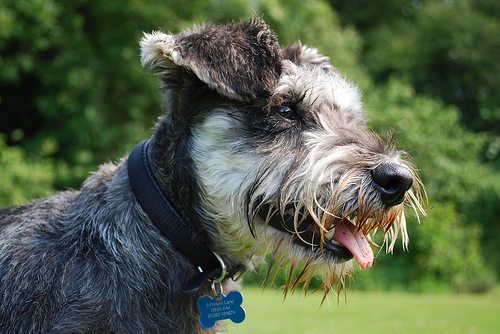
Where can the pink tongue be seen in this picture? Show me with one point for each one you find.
(356, 243)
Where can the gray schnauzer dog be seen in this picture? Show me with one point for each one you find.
(261, 150)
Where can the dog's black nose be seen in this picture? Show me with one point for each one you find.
(393, 181)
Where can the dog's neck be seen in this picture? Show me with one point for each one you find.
(158, 208)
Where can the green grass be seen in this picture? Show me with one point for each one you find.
(368, 312)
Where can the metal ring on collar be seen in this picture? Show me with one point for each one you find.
(222, 267)
(214, 291)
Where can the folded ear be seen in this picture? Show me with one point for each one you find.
(240, 60)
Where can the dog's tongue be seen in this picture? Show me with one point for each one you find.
(355, 242)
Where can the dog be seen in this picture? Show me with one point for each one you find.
(261, 150)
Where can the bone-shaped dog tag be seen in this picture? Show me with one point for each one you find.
(220, 308)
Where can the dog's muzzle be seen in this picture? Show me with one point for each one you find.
(339, 237)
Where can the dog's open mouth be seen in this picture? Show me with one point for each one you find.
(342, 241)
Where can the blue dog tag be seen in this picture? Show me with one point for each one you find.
(220, 308)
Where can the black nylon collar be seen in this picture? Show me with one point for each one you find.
(154, 202)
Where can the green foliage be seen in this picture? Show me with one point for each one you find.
(22, 178)
(449, 251)
(447, 49)
(302, 20)
(68, 77)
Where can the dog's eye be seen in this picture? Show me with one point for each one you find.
(287, 112)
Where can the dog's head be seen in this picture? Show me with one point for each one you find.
(269, 150)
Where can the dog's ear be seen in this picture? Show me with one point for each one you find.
(240, 60)
(301, 54)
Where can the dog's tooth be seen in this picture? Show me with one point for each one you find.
(329, 234)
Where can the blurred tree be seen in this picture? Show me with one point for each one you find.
(23, 179)
(445, 48)
(64, 78)
(317, 25)
(70, 73)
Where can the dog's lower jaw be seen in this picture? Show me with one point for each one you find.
(337, 243)
(302, 263)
